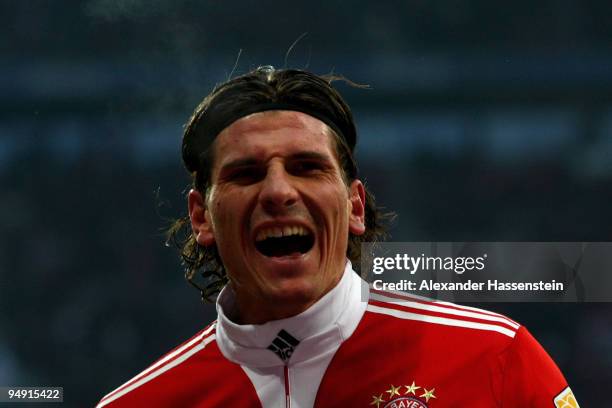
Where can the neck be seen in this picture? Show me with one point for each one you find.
(246, 314)
(252, 308)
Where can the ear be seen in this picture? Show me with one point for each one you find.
(201, 224)
(357, 210)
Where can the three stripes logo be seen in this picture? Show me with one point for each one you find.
(283, 345)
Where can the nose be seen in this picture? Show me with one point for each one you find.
(278, 192)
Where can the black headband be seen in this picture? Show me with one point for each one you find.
(213, 121)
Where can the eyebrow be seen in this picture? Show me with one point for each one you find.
(250, 161)
(246, 162)
(310, 155)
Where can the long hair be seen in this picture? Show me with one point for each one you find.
(300, 89)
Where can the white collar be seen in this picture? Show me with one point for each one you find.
(328, 322)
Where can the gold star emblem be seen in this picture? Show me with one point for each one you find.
(393, 391)
(428, 394)
(411, 389)
(377, 400)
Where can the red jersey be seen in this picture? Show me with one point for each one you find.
(355, 347)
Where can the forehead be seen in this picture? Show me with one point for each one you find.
(272, 133)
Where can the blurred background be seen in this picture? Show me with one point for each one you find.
(484, 122)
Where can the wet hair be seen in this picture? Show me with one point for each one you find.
(263, 89)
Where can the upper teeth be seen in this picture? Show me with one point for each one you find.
(277, 232)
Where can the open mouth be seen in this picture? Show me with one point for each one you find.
(280, 242)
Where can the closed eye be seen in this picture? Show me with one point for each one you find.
(244, 175)
(305, 167)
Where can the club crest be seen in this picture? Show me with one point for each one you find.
(404, 396)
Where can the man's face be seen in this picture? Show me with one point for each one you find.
(279, 212)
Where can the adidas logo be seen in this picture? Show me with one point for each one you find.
(283, 345)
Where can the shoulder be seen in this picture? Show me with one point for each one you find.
(431, 317)
(165, 368)
(482, 355)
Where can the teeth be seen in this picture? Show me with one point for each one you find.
(277, 232)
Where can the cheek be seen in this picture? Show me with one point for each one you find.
(218, 215)
(341, 200)
(228, 209)
(333, 204)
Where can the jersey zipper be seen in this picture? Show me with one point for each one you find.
(287, 392)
